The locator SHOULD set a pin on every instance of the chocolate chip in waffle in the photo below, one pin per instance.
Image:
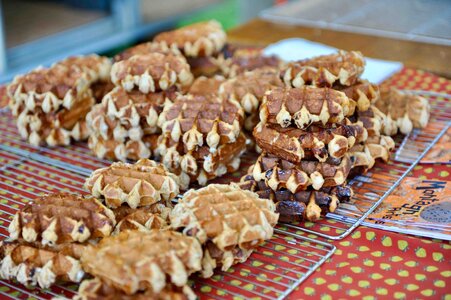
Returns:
(151, 72)
(362, 92)
(201, 120)
(146, 48)
(136, 261)
(200, 164)
(62, 218)
(36, 264)
(302, 205)
(406, 110)
(199, 39)
(144, 183)
(250, 87)
(305, 106)
(95, 289)
(295, 144)
(343, 67)
(227, 216)
(247, 59)
(155, 216)
(279, 173)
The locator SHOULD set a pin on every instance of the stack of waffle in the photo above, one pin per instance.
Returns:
(124, 125)
(51, 103)
(201, 137)
(315, 133)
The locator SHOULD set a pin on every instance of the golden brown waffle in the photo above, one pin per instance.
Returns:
(122, 151)
(324, 71)
(62, 218)
(278, 173)
(144, 183)
(225, 215)
(364, 155)
(201, 120)
(243, 60)
(151, 72)
(95, 289)
(407, 111)
(96, 67)
(136, 261)
(199, 39)
(294, 144)
(100, 89)
(35, 264)
(305, 106)
(200, 164)
(302, 205)
(204, 66)
(155, 216)
(362, 92)
(146, 48)
(250, 87)
(204, 86)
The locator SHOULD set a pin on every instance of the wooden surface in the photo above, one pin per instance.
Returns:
(429, 57)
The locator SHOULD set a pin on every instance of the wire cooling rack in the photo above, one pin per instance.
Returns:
(272, 272)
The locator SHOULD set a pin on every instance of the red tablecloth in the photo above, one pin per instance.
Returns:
(372, 263)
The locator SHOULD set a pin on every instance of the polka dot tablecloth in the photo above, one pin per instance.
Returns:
(376, 264)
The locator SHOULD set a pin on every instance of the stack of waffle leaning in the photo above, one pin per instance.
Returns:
(320, 129)
(129, 239)
(51, 103)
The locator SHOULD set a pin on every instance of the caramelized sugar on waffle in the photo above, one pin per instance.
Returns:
(136, 261)
(227, 216)
(250, 87)
(407, 111)
(362, 92)
(301, 205)
(36, 264)
(151, 72)
(294, 144)
(62, 218)
(305, 106)
(324, 71)
(199, 39)
(155, 216)
(279, 173)
(95, 289)
(144, 183)
(146, 48)
(201, 120)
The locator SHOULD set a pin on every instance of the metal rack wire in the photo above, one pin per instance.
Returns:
(272, 272)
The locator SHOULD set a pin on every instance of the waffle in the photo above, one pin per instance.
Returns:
(204, 66)
(279, 173)
(136, 261)
(133, 150)
(362, 92)
(305, 106)
(225, 215)
(302, 205)
(204, 86)
(35, 264)
(151, 72)
(201, 164)
(100, 89)
(146, 48)
(200, 120)
(155, 216)
(143, 183)
(365, 155)
(251, 121)
(294, 144)
(199, 39)
(407, 111)
(95, 289)
(250, 87)
(97, 68)
(342, 68)
(243, 60)
(62, 218)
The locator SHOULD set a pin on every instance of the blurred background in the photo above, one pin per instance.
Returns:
(39, 32)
